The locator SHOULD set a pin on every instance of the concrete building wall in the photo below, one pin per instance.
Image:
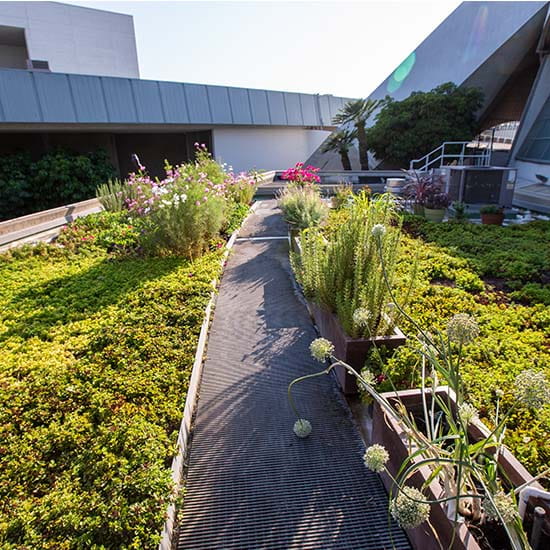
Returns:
(265, 148)
(74, 39)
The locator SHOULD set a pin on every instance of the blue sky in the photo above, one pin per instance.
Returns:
(343, 48)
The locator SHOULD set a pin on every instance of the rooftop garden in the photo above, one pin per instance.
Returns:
(98, 333)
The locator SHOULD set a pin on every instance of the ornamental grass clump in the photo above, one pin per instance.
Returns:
(343, 272)
(302, 207)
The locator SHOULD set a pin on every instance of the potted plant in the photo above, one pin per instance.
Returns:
(344, 286)
(436, 203)
(492, 215)
(418, 186)
(450, 479)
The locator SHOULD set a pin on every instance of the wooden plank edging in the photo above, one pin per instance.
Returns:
(192, 397)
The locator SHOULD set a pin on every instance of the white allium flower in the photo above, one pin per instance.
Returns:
(321, 349)
(532, 389)
(505, 505)
(378, 230)
(376, 457)
(462, 329)
(368, 376)
(407, 512)
(499, 393)
(361, 317)
(467, 413)
(302, 427)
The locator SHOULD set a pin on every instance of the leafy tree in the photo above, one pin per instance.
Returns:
(409, 129)
(357, 112)
(341, 141)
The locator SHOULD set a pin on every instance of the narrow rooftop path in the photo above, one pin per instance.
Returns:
(251, 483)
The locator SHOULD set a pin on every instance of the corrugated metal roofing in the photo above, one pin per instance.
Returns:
(42, 97)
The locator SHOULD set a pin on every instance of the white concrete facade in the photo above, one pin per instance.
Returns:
(71, 39)
(265, 148)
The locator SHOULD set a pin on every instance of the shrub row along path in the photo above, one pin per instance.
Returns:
(251, 483)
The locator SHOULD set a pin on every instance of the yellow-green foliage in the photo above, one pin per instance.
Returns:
(96, 354)
(513, 336)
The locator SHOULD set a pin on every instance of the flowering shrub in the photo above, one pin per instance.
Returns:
(241, 187)
(186, 209)
(302, 176)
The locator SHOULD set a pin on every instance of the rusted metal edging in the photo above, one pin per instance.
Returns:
(191, 399)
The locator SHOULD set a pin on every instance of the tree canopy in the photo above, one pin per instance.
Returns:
(409, 129)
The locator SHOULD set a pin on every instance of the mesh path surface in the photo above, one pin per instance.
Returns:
(251, 483)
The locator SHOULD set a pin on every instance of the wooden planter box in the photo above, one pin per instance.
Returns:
(351, 350)
(390, 434)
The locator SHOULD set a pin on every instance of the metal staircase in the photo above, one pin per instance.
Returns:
(442, 156)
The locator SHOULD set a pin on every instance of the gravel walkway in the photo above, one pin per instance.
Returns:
(251, 483)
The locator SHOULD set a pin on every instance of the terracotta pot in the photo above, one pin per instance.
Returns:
(388, 432)
(434, 214)
(492, 219)
(351, 350)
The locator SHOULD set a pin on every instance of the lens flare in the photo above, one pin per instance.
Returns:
(401, 73)
(477, 34)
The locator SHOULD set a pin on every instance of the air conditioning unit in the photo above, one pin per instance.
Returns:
(481, 184)
(38, 65)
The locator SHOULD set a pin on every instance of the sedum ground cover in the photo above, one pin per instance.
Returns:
(500, 275)
(96, 356)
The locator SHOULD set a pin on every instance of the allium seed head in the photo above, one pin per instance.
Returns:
(408, 512)
(321, 349)
(532, 389)
(462, 329)
(302, 428)
(376, 457)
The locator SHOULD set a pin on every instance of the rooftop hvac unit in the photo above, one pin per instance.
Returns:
(38, 65)
(482, 184)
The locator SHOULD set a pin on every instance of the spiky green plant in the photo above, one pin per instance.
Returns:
(113, 195)
(302, 207)
(344, 273)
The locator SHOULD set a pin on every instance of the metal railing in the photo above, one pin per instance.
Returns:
(440, 156)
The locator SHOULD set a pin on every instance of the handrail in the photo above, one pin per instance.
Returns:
(482, 158)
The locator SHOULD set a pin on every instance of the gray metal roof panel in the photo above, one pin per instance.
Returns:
(259, 106)
(277, 109)
(293, 109)
(309, 112)
(55, 97)
(220, 107)
(19, 98)
(324, 105)
(33, 96)
(197, 103)
(240, 106)
(120, 99)
(88, 98)
(147, 99)
(174, 102)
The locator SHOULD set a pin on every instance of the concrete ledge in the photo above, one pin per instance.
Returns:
(18, 229)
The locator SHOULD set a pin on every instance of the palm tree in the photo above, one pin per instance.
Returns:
(357, 112)
(341, 141)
